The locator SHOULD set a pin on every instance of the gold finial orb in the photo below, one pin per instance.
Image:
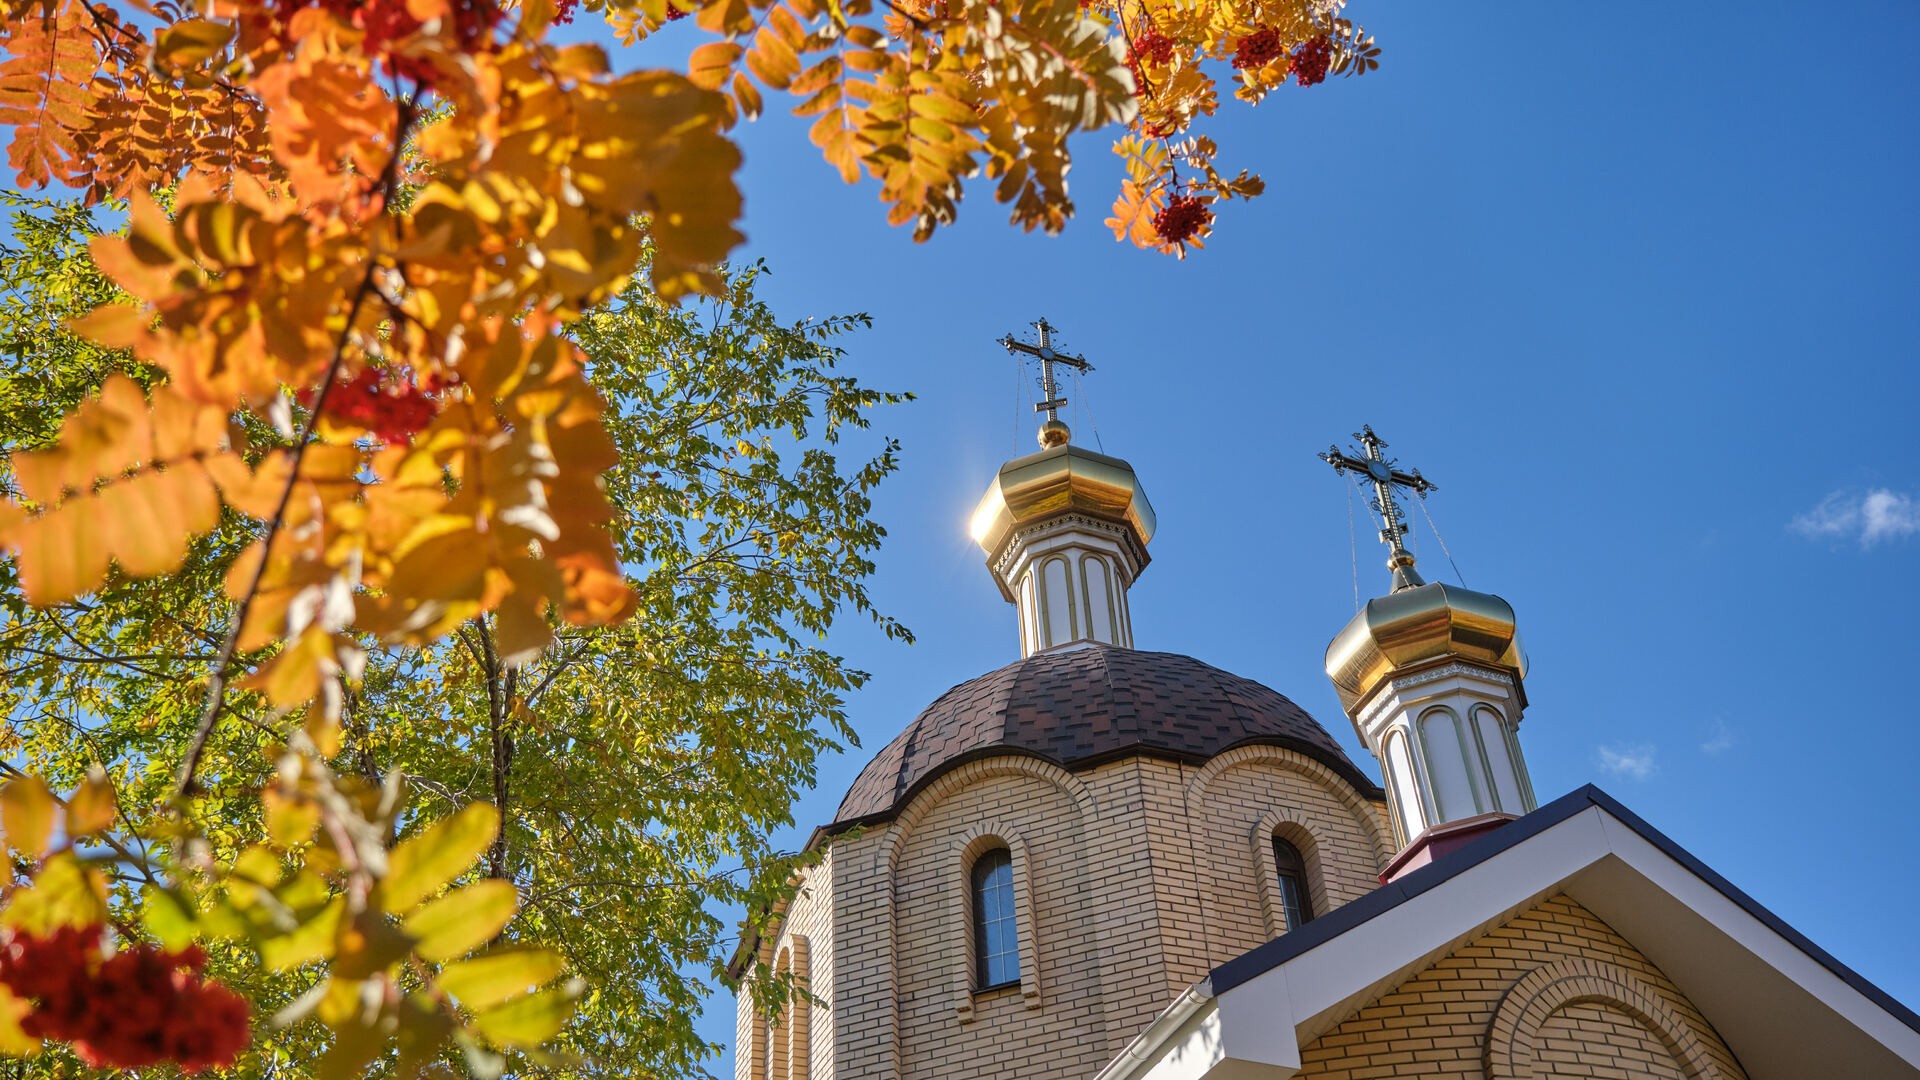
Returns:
(1054, 433)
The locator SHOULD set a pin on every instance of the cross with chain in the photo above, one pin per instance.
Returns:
(1385, 478)
(1049, 385)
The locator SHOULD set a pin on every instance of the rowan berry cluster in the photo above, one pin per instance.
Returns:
(1182, 218)
(392, 407)
(1258, 49)
(1311, 61)
(388, 23)
(1152, 46)
(141, 1006)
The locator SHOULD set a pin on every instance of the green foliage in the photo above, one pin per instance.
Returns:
(637, 770)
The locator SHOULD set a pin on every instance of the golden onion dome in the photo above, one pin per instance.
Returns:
(1420, 627)
(1060, 480)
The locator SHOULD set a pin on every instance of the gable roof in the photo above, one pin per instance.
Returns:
(1784, 1005)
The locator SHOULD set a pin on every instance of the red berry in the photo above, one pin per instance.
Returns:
(1153, 47)
(385, 22)
(390, 406)
(1257, 49)
(142, 1006)
(53, 972)
(1181, 219)
(1311, 61)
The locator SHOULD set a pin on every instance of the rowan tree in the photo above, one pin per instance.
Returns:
(330, 487)
(639, 769)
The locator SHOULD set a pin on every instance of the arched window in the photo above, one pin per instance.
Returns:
(996, 930)
(1296, 901)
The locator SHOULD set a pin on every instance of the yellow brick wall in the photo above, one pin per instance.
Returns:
(1439, 1022)
(806, 931)
(1223, 914)
(1143, 874)
(1594, 1039)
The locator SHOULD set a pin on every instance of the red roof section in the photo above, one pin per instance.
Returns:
(1080, 707)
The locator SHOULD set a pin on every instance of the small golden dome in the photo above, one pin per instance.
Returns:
(1420, 626)
(1059, 480)
(1054, 433)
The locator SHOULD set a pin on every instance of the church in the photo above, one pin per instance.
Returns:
(1103, 863)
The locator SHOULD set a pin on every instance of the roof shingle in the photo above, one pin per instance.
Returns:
(1080, 707)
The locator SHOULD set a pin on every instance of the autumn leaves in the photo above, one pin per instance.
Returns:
(360, 240)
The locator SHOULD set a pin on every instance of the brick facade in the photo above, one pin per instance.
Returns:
(1552, 993)
(1138, 875)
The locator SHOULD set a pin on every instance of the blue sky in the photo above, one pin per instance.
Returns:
(1636, 285)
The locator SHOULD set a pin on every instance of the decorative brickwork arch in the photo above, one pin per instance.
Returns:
(1293, 827)
(894, 842)
(1513, 1033)
(967, 847)
(790, 1044)
(973, 772)
(1362, 810)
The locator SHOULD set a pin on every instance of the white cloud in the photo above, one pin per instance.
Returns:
(1719, 738)
(1634, 761)
(1877, 516)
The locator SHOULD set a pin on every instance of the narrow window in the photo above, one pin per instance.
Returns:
(1295, 901)
(996, 933)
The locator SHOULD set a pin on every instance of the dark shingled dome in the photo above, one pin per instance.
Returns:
(1080, 707)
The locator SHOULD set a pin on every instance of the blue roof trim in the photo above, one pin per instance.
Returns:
(1348, 916)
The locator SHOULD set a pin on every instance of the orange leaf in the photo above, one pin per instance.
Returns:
(127, 481)
(712, 63)
(1133, 215)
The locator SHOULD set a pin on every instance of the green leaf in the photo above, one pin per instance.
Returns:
(462, 920)
(423, 864)
(312, 940)
(531, 1020)
(167, 916)
(486, 981)
(26, 813)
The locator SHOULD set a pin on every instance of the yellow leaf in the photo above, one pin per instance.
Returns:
(486, 981)
(293, 678)
(310, 941)
(444, 558)
(26, 812)
(426, 862)
(725, 16)
(291, 819)
(13, 1041)
(461, 921)
(190, 42)
(64, 893)
(168, 916)
(531, 1020)
(93, 806)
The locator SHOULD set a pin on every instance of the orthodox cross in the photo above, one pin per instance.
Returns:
(1380, 471)
(1049, 386)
